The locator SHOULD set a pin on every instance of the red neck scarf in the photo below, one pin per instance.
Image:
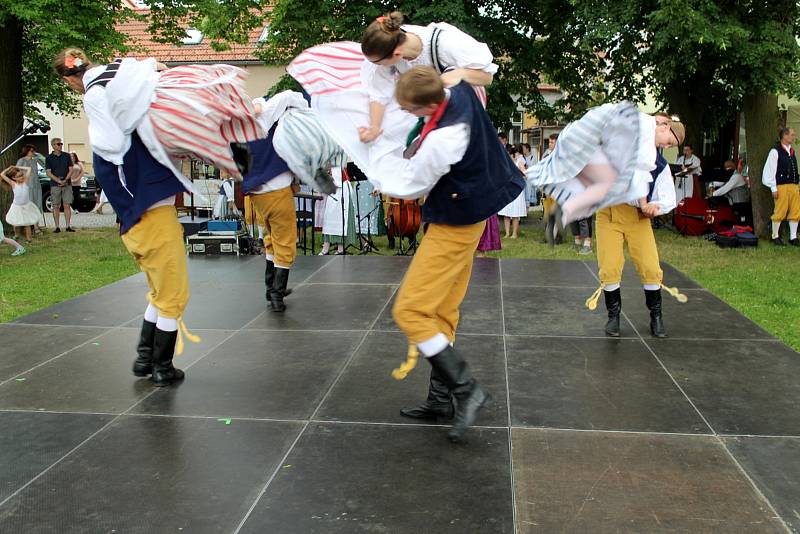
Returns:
(433, 122)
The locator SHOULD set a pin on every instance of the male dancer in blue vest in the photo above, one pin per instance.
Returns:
(269, 184)
(781, 176)
(142, 192)
(467, 176)
(632, 223)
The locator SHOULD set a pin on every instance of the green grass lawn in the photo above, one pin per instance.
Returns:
(761, 283)
(57, 267)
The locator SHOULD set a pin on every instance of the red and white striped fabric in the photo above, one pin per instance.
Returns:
(335, 67)
(200, 109)
(328, 68)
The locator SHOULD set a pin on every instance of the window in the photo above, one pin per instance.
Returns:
(193, 37)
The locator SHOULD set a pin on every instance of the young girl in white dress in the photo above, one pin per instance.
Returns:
(519, 206)
(23, 213)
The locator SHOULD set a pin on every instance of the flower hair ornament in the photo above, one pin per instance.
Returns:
(73, 62)
(381, 19)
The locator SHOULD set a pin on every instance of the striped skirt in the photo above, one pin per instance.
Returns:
(615, 130)
(199, 110)
(303, 143)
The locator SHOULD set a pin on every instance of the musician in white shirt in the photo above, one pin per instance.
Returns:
(684, 181)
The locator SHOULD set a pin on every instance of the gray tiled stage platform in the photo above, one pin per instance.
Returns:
(290, 424)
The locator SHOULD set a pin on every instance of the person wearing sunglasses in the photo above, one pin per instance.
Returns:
(59, 165)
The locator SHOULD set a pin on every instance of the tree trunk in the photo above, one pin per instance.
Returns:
(761, 125)
(11, 112)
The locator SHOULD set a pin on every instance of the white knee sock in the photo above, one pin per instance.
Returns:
(167, 324)
(792, 229)
(434, 345)
(776, 229)
(151, 313)
(260, 232)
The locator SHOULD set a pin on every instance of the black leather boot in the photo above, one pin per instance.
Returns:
(653, 299)
(438, 404)
(279, 290)
(242, 157)
(143, 365)
(269, 281)
(469, 396)
(614, 306)
(164, 373)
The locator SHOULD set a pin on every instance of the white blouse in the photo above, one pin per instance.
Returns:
(455, 49)
(115, 111)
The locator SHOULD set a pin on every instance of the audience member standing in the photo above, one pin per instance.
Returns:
(75, 176)
(582, 232)
(553, 231)
(781, 176)
(519, 206)
(531, 158)
(26, 160)
(58, 165)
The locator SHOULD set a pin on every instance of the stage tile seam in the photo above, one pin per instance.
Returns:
(118, 417)
(508, 403)
(322, 401)
(384, 423)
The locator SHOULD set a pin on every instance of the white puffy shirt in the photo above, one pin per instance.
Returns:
(114, 111)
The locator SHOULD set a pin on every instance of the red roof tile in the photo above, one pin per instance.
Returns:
(139, 37)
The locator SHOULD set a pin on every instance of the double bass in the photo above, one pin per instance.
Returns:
(403, 219)
(696, 215)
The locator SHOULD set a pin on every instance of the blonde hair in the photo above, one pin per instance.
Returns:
(383, 36)
(420, 86)
(679, 130)
(71, 61)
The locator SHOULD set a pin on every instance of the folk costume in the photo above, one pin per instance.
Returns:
(225, 197)
(781, 175)
(467, 177)
(192, 111)
(684, 185)
(626, 223)
(615, 134)
(142, 189)
(295, 145)
(326, 71)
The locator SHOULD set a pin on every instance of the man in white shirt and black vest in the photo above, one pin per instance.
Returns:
(466, 176)
(781, 176)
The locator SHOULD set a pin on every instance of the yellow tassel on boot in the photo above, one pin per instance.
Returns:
(411, 361)
(183, 331)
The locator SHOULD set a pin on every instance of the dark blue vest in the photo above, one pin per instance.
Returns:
(485, 180)
(661, 162)
(267, 164)
(787, 167)
(147, 181)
